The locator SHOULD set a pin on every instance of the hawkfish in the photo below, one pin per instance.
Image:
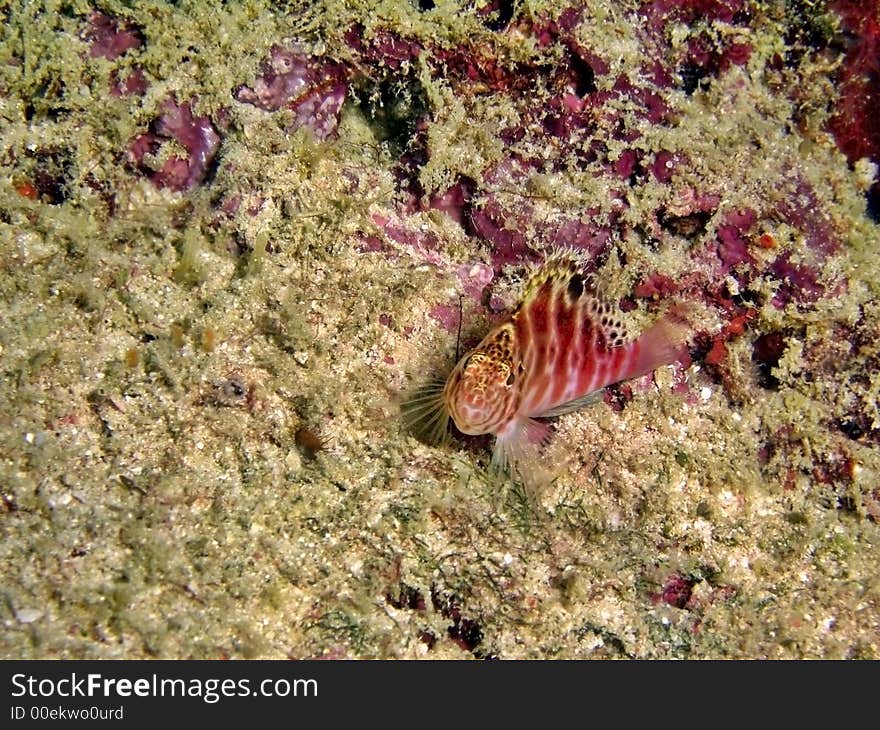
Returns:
(554, 354)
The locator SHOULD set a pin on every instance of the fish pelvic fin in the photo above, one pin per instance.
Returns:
(585, 401)
(517, 454)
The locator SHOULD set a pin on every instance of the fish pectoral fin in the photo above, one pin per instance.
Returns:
(575, 405)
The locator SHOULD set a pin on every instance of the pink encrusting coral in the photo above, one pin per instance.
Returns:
(705, 54)
(134, 84)
(733, 239)
(677, 591)
(382, 48)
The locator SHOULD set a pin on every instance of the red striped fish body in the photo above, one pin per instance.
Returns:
(573, 345)
(561, 346)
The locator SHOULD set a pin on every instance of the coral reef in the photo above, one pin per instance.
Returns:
(235, 234)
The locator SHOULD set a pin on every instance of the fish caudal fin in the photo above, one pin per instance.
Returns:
(664, 343)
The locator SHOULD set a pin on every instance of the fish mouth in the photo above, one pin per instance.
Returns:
(474, 413)
(469, 424)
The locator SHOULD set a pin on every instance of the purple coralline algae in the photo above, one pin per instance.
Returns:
(197, 136)
(856, 123)
(313, 88)
(109, 37)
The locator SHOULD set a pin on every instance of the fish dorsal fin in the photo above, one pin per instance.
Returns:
(604, 318)
(556, 272)
(562, 275)
(575, 405)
